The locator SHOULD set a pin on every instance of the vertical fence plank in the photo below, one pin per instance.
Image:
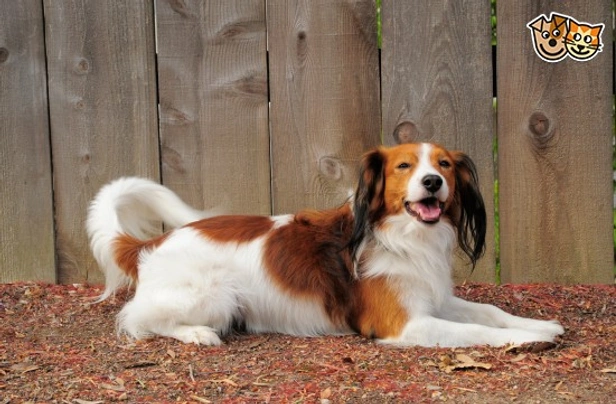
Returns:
(214, 103)
(437, 75)
(103, 111)
(554, 133)
(26, 214)
(324, 98)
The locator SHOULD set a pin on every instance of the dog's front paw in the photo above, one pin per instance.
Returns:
(521, 337)
(548, 327)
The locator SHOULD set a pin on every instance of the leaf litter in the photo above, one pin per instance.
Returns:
(58, 346)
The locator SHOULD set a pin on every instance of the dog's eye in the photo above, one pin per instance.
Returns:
(402, 166)
(556, 33)
(545, 34)
(444, 163)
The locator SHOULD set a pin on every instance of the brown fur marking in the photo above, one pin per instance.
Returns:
(229, 228)
(308, 258)
(379, 313)
(127, 250)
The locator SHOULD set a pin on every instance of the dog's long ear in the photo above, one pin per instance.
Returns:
(470, 220)
(368, 204)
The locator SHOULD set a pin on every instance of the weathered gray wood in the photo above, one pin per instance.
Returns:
(437, 75)
(214, 103)
(26, 215)
(102, 91)
(555, 132)
(324, 85)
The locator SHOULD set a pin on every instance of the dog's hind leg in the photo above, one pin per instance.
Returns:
(195, 305)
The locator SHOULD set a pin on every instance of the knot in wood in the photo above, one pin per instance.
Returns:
(301, 48)
(82, 66)
(331, 168)
(540, 128)
(4, 55)
(406, 132)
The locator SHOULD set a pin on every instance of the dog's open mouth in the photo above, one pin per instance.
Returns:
(427, 210)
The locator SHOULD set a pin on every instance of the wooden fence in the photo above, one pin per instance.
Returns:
(264, 106)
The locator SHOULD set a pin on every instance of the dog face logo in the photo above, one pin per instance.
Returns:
(583, 41)
(549, 37)
(560, 36)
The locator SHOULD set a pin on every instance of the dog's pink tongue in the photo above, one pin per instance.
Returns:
(428, 213)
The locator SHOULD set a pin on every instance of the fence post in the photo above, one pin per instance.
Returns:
(212, 78)
(102, 97)
(554, 134)
(437, 74)
(324, 99)
(26, 213)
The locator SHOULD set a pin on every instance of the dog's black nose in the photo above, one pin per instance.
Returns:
(432, 182)
(552, 42)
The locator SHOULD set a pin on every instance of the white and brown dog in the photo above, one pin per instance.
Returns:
(379, 265)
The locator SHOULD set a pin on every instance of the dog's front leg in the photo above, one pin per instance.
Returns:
(462, 311)
(429, 331)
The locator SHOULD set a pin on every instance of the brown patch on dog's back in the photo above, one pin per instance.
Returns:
(127, 250)
(309, 258)
(378, 310)
(233, 228)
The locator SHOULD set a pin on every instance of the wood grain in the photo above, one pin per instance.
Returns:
(554, 133)
(26, 215)
(102, 92)
(324, 86)
(437, 75)
(214, 103)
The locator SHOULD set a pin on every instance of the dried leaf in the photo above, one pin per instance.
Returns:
(608, 370)
(226, 381)
(327, 393)
(140, 364)
(519, 358)
(468, 365)
(200, 399)
(113, 387)
(461, 362)
(24, 367)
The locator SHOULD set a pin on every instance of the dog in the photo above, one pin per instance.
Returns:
(379, 265)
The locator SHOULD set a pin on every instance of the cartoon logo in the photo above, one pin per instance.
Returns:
(583, 41)
(559, 36)
(548, 37)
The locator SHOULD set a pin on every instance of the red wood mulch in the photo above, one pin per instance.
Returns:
(57, 346)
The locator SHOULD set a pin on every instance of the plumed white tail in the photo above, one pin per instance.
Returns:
(133, 206)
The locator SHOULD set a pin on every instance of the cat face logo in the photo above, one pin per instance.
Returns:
(583, 41)
(560, 36)
(548, 37)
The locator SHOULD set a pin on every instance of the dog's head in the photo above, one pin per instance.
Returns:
(424, 183)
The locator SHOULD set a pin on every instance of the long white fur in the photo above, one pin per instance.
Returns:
(135, 206)
(192, 288)
(190, 281)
